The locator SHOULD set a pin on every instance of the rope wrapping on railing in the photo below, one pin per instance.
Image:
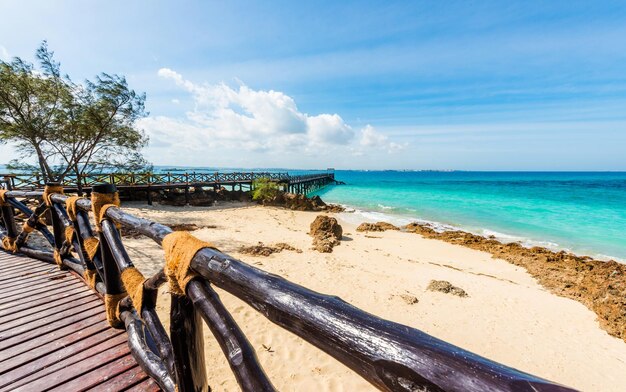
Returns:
(49, 190)
(91, 245)
(3, 201)
(180, 248)
(90, 277)
(71, 207)
(100, 203)
(8, 243)
(111, 306)
(133, 282)
(27, 228)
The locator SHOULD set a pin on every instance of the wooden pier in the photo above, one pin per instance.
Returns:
(149, 182)
(48, 319)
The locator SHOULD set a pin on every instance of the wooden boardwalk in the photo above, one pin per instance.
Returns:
(151, 182)
(54, 335)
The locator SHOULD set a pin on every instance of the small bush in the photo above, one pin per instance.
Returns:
(264, 189)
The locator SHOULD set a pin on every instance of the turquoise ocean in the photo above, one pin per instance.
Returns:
(584, 212)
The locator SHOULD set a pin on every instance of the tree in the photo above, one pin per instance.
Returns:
(30, 106)
(99, 132)
(264, 189)
(72, 129)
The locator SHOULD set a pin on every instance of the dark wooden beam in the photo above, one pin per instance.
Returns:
(188, 345)
(235, 346)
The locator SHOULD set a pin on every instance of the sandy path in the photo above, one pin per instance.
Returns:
(507, 316)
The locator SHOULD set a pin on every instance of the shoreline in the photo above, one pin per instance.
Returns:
(373, 216)
(602, 289)
(599, 285)
(507, 315)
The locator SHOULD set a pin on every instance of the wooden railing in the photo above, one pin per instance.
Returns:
(391, 356)
(36, 181)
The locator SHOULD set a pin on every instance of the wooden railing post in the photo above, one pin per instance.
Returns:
(9, 220)
(235, 346)
(112, 281)
(58, 229)
(188, 345)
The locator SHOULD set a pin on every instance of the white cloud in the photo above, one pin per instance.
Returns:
(371, 138)
(329, 128)
(254, 120)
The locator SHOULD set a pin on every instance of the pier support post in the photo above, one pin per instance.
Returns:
(149, 195)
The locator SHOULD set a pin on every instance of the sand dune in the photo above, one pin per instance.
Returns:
(507, 316)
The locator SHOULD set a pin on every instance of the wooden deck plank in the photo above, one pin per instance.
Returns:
(60, 378)
(16, 359)
(13, 259)
(30, 276)
(145, 386)
(18, 259)
(53, 326)
(22, 345)
(10, 268)
(40, 288)
(72, 312)
(46, 303)
(20, 270)
(56, 361)
(54, 334)
(122, 381)
(41, 317)
(99, 375)
(28, 283)
(32, 300)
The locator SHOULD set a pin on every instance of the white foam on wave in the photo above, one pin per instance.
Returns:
(526, 242)
(357, 216)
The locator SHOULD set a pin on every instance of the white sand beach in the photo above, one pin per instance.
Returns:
(507, 316)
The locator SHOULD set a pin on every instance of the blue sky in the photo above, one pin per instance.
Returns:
(398, 85)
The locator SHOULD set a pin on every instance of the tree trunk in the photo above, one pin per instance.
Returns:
(79, 182)
(43, 165)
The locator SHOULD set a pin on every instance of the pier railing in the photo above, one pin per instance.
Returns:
(36, 181)
(148, 182)
(391, 356)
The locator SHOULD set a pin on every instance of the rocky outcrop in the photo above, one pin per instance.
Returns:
(599, 285)
(446, 287)
(334, 208)
(378, 226)
(261, 249)
(300, 202)
(295, 202)
(326, 233)
(199, 196)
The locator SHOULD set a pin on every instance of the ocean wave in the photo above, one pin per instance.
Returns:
(357, 216)
(524, 241)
